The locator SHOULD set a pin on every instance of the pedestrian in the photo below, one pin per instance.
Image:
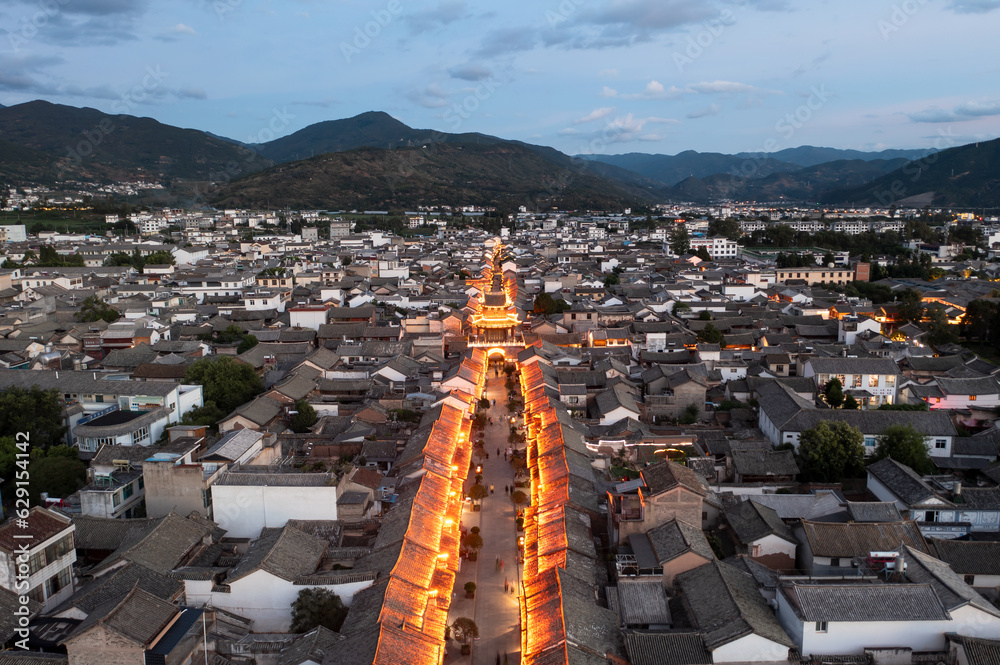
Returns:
(491, 488)
(501, 565)
(506, 585)
(497, 565)
(506, 489)
(498, 452)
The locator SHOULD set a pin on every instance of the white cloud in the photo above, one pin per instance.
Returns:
(596, 114)
(182, 29)
(961, 113)
(607, 92)
(710, 110)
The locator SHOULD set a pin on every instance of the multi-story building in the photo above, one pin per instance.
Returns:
(718, 247)
(44, 542)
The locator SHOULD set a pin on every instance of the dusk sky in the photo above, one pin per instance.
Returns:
(608, 76)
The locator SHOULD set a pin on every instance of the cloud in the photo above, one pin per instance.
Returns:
(191, 93)
(655, 90)
(91, 22)
(432, 96)
(608, 72)
(725, 87)
(973, 6)
(181, 29)
(446, 11)
(961, 113)
(596, 114)
(710, 110)
(607, 92)
(507, 40)
(622, 129)
(645, 15)
(470, 73)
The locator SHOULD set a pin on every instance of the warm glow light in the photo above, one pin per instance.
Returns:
(454, 467)
(443, 556)
(449, 522)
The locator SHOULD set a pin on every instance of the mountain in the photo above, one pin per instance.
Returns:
(22, 165)
(123, 144)
(672, 169)
(967, 176)
(804, 185)
(807, 155)
(502, 174)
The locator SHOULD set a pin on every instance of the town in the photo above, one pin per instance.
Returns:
(682, 435)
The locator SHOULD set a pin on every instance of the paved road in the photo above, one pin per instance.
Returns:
(494, 610)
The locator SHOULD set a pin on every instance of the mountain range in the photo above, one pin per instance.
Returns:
(374, 160)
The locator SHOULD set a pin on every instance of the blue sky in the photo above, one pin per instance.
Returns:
(607, 76)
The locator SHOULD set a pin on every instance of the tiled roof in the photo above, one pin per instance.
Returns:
(873, 511)
(923, 568)
(901, 480)
(139, 616)
(639, 601)
(646, 648)
(865, 602)
(726, 605)
(765, 462)
(666, 475)
(968, 557)
(674, 537)
(42, 525)
(287, 553)
(752, 521)
(163, 547)
(859, 539)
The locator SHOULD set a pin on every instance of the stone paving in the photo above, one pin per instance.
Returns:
(494, 610)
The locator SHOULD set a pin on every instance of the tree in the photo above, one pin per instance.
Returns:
(57, 475)
(910, 306)
(36, 412)
(473, 541)
(905, 444)
(704, 315)
(317, 607)
(851, 404)
(226, 381)
(95, 309)
(478, 493)
(834, 392)
(249, 341)
(464, 630)
(690, 415)
(680, 241)
(207, 415)
(710, 335)
(304, 418)
(831, 451)
(703, 254)
(544, 304)
(828, 259)
(159, 259)
(612, 280)
(518, 497)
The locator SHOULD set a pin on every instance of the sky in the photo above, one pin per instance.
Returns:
(583, 76)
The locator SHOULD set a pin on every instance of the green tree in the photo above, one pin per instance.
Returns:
(710, 335)
(544, 304)
(226, 381)
(57, 475)
(690, 415)
(478, 493)
(834, 392)
(304, 418)
(612, 280)
(703, 254)
(464, 630)
(850, 403)
(159, 259)
(910, 305)
(36, 412)
(831, 451)
(905, 444)
(704, 315)
(680, 241)
(828, 259)
(317, 607)
(249, 341)
(206, 415)
(94, 309)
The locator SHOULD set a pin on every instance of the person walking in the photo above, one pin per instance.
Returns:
(491, 488)
(498, 451)
(506, 585)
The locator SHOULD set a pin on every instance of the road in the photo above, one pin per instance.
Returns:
(494, 610)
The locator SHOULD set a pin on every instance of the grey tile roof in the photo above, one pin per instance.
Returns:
(981, 498)
(765, 462)
(234, 444)
(312, 646)
(986, 385)
(930, 423)
(902, 481)
(726, 605)
(873, 511)
(666, 648)
(977, 650)
(104, 533)
(854, 366)
(287, 553)
(859, 539)
(139, 616)
(256, 476)
(864, 602)
(163, 547)
(923, 568)
(117, 585)
(752, 521)
(673, 538)
(639, 601)
(968, 557)
(667, 475)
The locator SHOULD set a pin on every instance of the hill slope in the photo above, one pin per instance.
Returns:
(501, 174)
(124, 144)
(967, 175)
(808, 155)
(672, 169)
(804, 185)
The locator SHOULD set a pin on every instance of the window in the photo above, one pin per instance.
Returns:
(835, 562)
(972, 398)
(206, 498)
(140, 435)
(869, 442)
(890, 380)
(969, 579)
(940, 444)
(116, 499)
(128, 490)
(36, 562)
(842, 379)
(873, 381)
(930, 516)
(37, 594)
(857, 380)
(820, 626)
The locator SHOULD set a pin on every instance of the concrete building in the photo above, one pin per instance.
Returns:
(46, 546)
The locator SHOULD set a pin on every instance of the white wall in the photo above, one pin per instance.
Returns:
(751, 649)
(244, 510)
(772, 544)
